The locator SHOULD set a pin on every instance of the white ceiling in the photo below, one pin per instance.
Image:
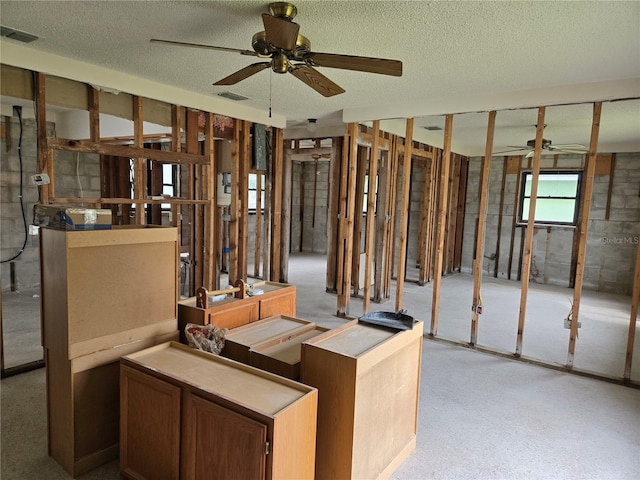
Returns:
(458, 56)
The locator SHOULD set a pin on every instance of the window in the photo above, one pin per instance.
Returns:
(253, 187)
(557, 199)
(366, 194)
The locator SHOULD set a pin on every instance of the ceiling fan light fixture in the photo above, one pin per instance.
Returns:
(311, 125)
(280, 63)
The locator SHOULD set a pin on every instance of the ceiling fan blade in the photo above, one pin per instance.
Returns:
(207, 47)
(518, 149)
(241, 74)
(280, 33)
(571, 146)
(316, 80)
(566, 150)
(360, 64)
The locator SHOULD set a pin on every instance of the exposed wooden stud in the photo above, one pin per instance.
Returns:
(381, 225)
(285, 240)
(518, 172)
(496, 265)
(371, 216)
(236, 204)
(332, 215)
(342, 207)
(424, 219)
(210, 194)
(433, 193)
(528, 244)
(442, 216)
(583, 229)
(404, 212)
(357, 218)
(139, 162)
(94, 113)
(633, 319)
(276, 203)
(45, 154)
(243, 207)
(257, 259)
(462, 197)
(612, 168)
(453, 211)
(195, 220)
(347, 202)
(176, 125)
(482, 223)
(391, 217)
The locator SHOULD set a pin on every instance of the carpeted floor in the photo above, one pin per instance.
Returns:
(481, 416)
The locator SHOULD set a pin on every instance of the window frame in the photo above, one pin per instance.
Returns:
(576, 207)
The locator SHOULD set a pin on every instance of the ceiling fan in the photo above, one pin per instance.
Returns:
(290, 52)
(546, 145)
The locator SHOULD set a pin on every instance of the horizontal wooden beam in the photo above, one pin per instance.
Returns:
(415, 152)
(128, 201)
(101, 148)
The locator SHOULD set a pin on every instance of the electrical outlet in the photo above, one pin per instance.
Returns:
(567, 323)
(40, 179)
(33, 229)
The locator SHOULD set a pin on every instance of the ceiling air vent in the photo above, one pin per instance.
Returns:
(17, 35)
(232, 96)
(433, 128)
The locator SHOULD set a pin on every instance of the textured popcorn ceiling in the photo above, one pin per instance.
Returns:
(458, 56)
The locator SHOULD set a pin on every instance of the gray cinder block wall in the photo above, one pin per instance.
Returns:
(611, 243)
(12, 231)
(312, 232)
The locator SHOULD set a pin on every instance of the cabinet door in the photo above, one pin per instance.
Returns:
(240, 313)
(149, 427)
(283, 304)
(219, 443)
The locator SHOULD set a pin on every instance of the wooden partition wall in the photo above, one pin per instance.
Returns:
(376, 242)
(193, 150)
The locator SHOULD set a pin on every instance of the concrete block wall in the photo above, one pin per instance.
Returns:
(414, 217)
(611, 243)
(313, 235)
(12, 230)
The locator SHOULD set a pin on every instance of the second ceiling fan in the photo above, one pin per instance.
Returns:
(290, 52)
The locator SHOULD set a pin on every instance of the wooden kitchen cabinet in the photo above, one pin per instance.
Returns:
(207, 416)
(232, 312)
(368, 380)
(282, 355)
(239, 341)
(105, 293)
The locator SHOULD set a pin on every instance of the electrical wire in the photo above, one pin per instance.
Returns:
(78, 174)
(24, 218)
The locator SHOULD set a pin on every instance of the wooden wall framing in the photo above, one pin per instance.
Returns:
(199, 208)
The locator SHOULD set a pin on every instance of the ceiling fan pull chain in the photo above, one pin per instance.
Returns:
(270, 80)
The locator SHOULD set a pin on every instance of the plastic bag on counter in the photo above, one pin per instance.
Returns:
(205, 337)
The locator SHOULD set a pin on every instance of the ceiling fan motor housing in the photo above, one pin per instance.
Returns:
(545, 143)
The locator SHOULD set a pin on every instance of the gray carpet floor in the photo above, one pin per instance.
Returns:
(481, 416)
